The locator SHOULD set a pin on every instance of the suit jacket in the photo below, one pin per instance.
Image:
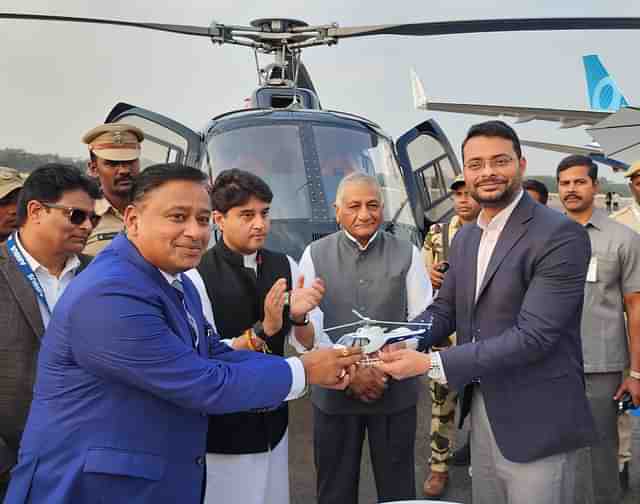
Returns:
(121, 398)
(21, 330)
(521, 336)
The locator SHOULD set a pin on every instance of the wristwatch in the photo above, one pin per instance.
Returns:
(258, 330)
(304, 322)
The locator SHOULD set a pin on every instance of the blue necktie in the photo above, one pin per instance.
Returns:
(177, 285)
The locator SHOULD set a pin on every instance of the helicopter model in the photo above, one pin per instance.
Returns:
(303, 150)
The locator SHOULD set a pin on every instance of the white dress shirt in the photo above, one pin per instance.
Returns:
(419, 290)
(52, 286)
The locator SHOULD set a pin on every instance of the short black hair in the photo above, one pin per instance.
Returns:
(494, 129)
(159, 174)
(578, 160)
(539, 187)
(235, 187)
(48, 183)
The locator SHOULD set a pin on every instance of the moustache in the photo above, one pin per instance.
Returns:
(491, 180)
(572, 196)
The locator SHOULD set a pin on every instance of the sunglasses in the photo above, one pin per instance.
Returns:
(76, 216)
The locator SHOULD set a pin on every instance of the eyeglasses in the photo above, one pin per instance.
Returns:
(501, 161)
(76, 216)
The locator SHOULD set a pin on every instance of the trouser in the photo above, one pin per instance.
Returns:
(602, 460)
(443, 412)
(338, 440)
(496, 480)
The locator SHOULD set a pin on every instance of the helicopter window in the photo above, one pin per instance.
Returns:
(160, 145)
(342, 151)
(434, 173)
(274, 153)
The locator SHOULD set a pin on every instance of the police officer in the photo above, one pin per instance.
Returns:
(629, 216)
(114, 151)
(443, 400)
(10, 184)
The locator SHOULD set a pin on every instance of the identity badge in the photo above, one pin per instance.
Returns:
(592, 272)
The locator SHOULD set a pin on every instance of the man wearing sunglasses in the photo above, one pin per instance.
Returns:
(114, 152)
(54, 218)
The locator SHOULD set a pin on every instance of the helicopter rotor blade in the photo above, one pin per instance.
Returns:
(488, 25)
(199, 31)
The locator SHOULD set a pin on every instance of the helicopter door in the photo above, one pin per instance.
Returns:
(429, 166)
(165, 140)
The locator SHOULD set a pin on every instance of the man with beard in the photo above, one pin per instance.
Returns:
(114, 151)
(10, 184)
(514, 296)
(443, 401)
(611, 291)
(37, 263)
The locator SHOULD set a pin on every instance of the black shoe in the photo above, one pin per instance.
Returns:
(462, 456)
(624, 477)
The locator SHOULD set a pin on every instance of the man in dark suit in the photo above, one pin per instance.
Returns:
(129, 369)
(514, 296)
(54, 217)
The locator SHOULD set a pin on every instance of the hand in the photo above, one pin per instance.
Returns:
(394, 347)
(404, 363)
(436, 277)
(331, 367)
(273, 307)
(632, 386)
(302, 300)
(368, 384)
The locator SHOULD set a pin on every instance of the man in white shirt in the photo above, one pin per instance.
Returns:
(55, 215)
(384, 278)
(514, 296)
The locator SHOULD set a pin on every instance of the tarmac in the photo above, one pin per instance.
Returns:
(302, 473)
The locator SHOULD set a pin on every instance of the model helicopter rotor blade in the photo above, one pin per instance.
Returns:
(488, 26)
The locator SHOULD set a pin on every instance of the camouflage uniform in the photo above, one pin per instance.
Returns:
(443, 400)
(629, 216)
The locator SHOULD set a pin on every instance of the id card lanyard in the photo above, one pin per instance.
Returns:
(26, 271)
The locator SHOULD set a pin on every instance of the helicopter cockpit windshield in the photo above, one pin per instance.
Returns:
(303, 163)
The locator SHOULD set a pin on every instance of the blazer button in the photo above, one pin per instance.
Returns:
(200, 460)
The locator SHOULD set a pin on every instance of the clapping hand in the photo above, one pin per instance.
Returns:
(304, 299)
(273, 306)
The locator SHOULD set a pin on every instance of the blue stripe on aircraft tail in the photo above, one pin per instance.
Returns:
(603, 92)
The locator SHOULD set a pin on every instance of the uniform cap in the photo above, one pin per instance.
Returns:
(115, 142)
(633, 169)
(10, 180)
(457, 181)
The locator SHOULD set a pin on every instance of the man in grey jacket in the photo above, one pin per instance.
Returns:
(384, 278)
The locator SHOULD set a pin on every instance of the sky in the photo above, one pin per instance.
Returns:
(59, 79)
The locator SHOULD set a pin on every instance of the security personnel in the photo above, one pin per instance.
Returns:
(443, 401)
(629, 216)
(10, 184)
(114, 151)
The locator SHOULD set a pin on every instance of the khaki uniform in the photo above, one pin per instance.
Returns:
(629, 216)
(111, 223)
(443, 400)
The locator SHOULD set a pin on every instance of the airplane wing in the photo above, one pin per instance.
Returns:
(619, 134)
(594, 152)
(566, 118)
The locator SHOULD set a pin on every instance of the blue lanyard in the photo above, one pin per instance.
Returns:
(26, 270)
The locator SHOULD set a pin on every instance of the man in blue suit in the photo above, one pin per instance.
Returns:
(129, 369)
(514, 295)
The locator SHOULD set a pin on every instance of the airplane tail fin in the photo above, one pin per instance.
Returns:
(419, 96)
(604, 93)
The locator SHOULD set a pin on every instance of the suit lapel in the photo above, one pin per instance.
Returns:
(513, 231)
(472, 273)
(22, 291)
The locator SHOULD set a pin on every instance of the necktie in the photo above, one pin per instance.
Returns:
(177, 285)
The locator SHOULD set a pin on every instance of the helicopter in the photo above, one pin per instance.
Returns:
(301, 149)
